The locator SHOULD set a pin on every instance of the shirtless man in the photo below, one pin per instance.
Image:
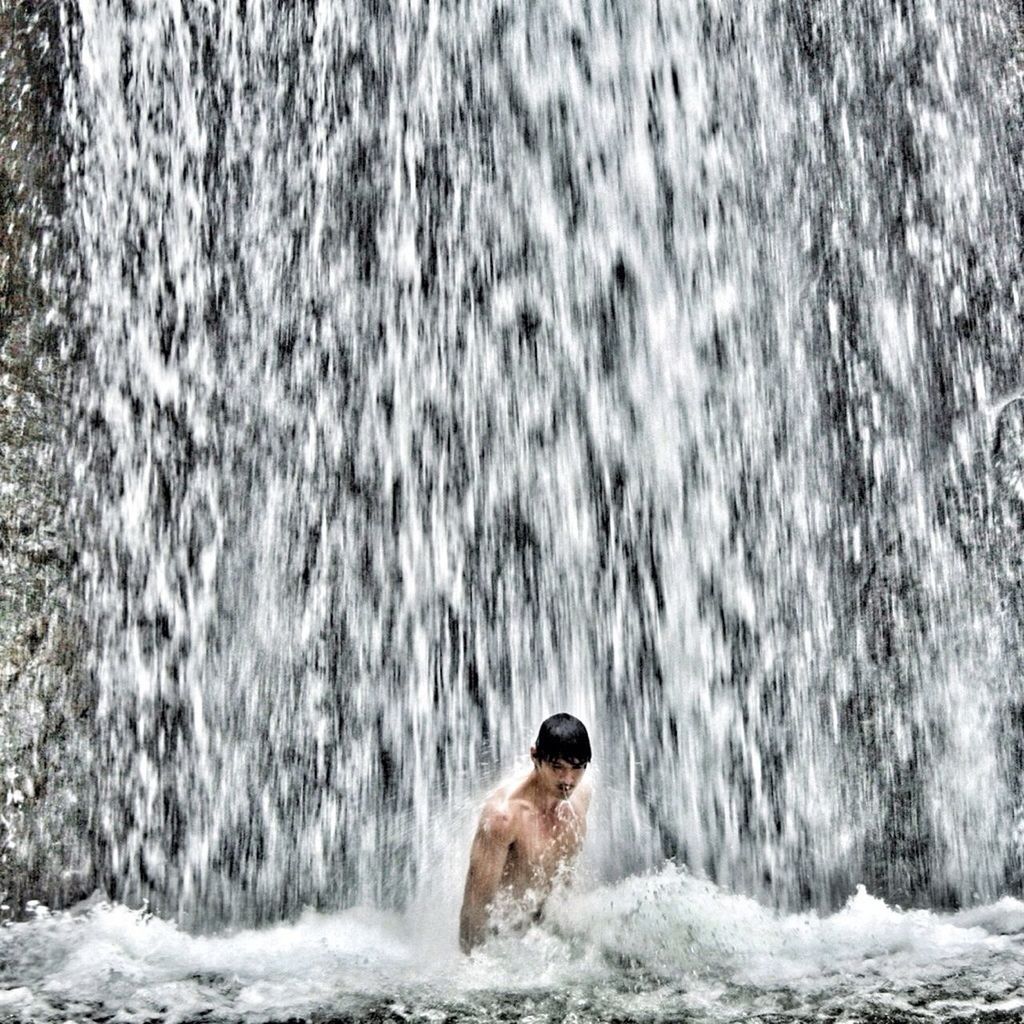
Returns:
(529, 828)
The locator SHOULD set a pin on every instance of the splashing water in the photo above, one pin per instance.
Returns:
(645, 948)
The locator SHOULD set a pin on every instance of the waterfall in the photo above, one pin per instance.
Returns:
(438, 367)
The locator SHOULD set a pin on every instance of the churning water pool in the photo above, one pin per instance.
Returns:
(662, 947)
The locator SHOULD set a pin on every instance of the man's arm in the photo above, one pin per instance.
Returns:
(487, 857)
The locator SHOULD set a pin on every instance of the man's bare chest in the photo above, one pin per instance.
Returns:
(542, 846)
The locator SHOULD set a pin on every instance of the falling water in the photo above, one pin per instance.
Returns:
(442, 366)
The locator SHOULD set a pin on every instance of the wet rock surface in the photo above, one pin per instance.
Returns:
(36, 651)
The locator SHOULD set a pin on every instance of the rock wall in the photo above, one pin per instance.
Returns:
(38, 685)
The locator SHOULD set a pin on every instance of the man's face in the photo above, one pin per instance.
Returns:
(560, 776)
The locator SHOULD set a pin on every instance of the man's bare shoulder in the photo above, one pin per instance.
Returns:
(501, 815)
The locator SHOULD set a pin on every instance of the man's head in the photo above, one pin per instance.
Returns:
(561, 753)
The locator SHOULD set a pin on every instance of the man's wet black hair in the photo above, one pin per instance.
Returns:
(563, 738)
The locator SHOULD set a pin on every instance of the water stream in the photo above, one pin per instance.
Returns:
(439, 366)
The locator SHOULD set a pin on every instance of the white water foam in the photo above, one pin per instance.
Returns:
(634, 948)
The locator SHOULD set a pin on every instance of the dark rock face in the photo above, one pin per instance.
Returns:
(36, 652)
